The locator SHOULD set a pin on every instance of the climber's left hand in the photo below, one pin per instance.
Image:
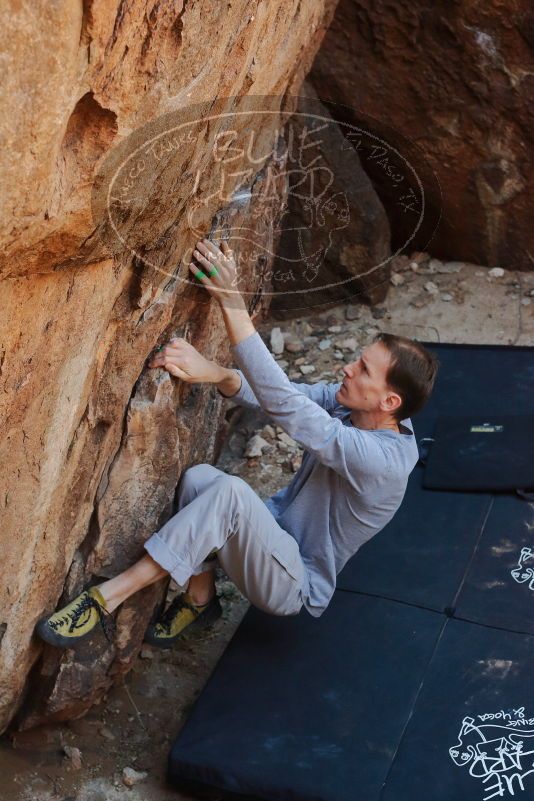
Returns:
(222, 285)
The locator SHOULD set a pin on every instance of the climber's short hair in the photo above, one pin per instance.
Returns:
(411, 373)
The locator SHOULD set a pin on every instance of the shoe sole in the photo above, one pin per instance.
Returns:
(58, 640)
(205, 619)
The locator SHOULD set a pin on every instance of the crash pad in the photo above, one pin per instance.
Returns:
(415, 682)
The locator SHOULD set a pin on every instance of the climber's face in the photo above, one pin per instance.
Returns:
(364, 386)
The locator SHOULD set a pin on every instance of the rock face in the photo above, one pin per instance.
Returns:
(94, 443)
(458, 80)
(335, 235)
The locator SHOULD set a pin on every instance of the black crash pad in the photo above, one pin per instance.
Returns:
(499, 586)
(304, 708)
(422, 555)
(482, 453)
(471, 736)
(478, 380)
(416, 681)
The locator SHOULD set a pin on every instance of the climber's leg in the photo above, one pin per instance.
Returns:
(135, 578)
(227, 517)
(220, 514)
(146, 571)
(201, 586)
(73, 622)
(194, 480)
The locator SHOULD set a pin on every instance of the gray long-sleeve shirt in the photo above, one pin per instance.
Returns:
(351, 480)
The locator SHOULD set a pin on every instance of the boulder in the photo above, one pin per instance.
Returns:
(124, 144)
(450, 87)
(334, 233)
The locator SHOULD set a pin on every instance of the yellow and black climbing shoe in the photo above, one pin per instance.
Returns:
(68, 626)
(182, 614)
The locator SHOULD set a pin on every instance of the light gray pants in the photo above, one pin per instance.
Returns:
(221, 513)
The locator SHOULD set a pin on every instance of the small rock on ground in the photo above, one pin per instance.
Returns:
(130, 777)
(255, 446)
(74, 755)
(277, 341)
(353, 312)
(294, 345)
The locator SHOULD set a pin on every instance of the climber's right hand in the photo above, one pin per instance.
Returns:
(182, 360)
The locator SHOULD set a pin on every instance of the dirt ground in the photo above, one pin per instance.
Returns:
(135, 725)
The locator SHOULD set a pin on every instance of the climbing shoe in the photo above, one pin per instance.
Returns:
(71, 624)
(182, 614)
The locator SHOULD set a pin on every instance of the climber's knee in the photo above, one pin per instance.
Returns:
(195, 479)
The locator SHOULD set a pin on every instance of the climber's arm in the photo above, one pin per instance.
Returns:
(234, 385)
(229, 384)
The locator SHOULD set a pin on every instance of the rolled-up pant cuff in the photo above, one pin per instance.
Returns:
(160, 552)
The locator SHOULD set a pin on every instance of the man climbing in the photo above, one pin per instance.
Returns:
(286, 552)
